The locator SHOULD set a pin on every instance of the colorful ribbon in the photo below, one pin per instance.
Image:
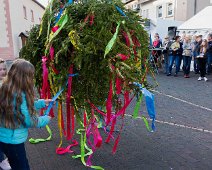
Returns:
(35, 141)
(112, 41)
(149, 97)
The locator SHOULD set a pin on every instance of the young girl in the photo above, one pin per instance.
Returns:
(18, 112)
(4, 164)
(202, 58)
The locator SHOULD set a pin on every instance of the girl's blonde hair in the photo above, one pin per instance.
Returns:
(203, 48)
(18, 81)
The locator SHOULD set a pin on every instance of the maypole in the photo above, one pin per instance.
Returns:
(90, 56)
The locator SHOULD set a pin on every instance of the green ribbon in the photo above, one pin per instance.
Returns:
(35, 141)
(84, 146)
(146, 123)
(61, 23)
(137, 107)
(136, 111)
(112, 41)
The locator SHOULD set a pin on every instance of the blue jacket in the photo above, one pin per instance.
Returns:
(19, 135)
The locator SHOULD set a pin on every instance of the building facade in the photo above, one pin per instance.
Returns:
(16, 18)
(162, 14)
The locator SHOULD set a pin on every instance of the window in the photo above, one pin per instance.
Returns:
(25, 13)
(147, 13)
(32, 16)
(169, 9)
(159, 11)
(144, 14)
(141, 12)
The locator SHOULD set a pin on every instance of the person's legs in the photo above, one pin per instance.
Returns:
(209, 61)
(185, 64)
(177, 62)
(189, 65)
(171, 62)
(1, 155)
(4, 164)
(196, 67)
(16, 155)
(200, 63)
(166, 63)
(203, 67)
(180, 62)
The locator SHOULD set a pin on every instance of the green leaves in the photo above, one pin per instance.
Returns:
(95, 39)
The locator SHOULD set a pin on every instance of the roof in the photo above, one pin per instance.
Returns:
(38, 4)
(200, 21)
(25, 34)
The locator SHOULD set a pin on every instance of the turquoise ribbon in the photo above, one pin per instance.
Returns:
(58, 94)
(149, 103)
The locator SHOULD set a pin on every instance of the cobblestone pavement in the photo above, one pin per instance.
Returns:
(182, 140)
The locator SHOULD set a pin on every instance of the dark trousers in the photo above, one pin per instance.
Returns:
(196, 67)
(202, 66)
(1, 156)
(16, 155)
(180, 61)
(166, 63)
(186, 64)
(209, 62)
(172, 59)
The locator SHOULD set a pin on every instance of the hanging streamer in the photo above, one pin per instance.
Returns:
(112, 41)
(35, 141)
(137, 107)
(149, 97)
(120, 11)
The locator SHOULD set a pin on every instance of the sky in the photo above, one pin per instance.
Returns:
(43, 2)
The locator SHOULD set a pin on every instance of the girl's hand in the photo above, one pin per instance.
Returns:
(50, 117)
(47, 101)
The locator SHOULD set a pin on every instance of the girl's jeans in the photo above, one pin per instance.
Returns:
(16, 155)
(1, 156)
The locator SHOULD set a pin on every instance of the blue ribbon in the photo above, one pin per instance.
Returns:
(61, 10)
(120, 11)
(59, 15)
(149, 103)
(150, 40)
(58, 94)
(70, 2)
(72, 75)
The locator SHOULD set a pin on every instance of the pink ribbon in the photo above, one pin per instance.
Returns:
(55, 28)
(122, 57)
(118, 85)
(68, 110)
(45, 78)
(97, 139)
(109, 103)
(91, 19)
(62, 150)
(126, 38)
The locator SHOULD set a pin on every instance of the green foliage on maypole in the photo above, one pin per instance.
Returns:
(82, 41)
(98, 52)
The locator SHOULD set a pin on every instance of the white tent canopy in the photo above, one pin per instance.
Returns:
(199, 22)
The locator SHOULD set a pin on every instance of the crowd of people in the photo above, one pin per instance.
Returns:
(184, 49)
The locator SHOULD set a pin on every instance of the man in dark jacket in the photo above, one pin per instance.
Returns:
(209, 53)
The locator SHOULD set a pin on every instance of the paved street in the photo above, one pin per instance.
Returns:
(182, 140)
